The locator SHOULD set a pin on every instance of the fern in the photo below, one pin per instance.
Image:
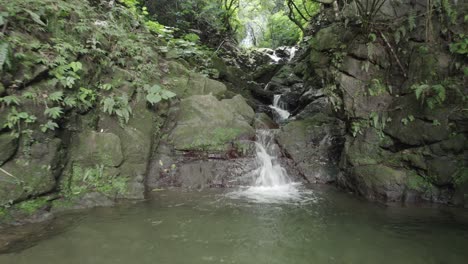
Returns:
(56, 96)
(50, 125)
(35, 17)
(10, 100)
(53, 112)
(431, 95)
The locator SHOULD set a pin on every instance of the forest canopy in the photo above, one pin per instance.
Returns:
(252, 23)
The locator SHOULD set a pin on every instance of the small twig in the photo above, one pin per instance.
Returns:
(394, 54)
(9, 174)
(219, 47)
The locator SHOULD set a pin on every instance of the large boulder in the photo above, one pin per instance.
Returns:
(8, 145)
(205, 123)
(314, 144)
(205, 143)
(33, 172)
(186, 83)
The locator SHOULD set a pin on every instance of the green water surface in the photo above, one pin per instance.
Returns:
(207, 227)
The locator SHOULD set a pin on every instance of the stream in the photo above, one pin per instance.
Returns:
(326, 226)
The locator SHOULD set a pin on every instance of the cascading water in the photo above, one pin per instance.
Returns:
(271, 183)
(269, 173)
(278, 106)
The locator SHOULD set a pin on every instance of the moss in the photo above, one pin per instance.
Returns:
(215, 140)
(32, 206)
(96, 179)
(461, 176)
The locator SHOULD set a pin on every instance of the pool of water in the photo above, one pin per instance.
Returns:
(218, 226)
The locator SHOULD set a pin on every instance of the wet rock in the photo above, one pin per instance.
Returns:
(33, 172)
(263, 121)
(204, 123)
(379, 182)
(98, 148)
(8, 145)
(314, 144)
(185, 83)
(85, 201)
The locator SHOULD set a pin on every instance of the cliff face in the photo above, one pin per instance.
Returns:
(397, 78)
(85, 115)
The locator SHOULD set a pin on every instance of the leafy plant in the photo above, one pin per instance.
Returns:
(15, 118)
(53, 112)
(431, 95)
(376, 88)
(50, 125)
(154, 94)
(10, 100)
(119, 106)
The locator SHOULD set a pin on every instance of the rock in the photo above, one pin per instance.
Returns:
(240, 106)
(206, 143)
(98, 148)
(8, 146)
(326, 39)
(379, 182)
(204, 123)
(263, 121)
(356, 103)
(185, 83)
(31, 173)
(314, 145)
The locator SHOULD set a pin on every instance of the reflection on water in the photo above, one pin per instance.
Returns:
(210, 227)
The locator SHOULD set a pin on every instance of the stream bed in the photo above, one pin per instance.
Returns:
(323, 225)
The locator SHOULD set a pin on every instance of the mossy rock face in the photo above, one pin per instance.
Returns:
(314, 145)
(327, 38)
(8, 146)
(98, 148)
(31, 174)
(263, 121)
(380, 182)
(204, 123)
(185, 83)
(240, 106)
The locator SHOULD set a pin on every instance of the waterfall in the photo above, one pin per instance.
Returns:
(269, 173)
(270, 183)
(279, 106)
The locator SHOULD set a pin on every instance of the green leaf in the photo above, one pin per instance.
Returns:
(35, 17)
(153, 98)
(50, 125)
(56, 96)
(10, 100)
(108, 105)
(53, 112)
(76, 66)
(166, 94)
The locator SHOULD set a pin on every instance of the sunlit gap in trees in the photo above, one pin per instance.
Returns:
(273, 23)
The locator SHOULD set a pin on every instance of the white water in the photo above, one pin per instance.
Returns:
(272, 183)
(278, 106)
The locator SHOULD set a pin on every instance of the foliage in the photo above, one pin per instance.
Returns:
(76, 53)
(376, 88)
(460, 46)
(119, 106)
(96, 179)
(32, 206)
(431, 95)
(155, 94)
